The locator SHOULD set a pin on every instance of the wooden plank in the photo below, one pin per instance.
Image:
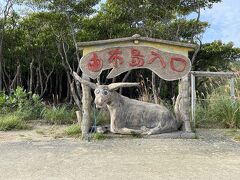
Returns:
(193, 99)
(135, 37)
(86, 107)
(210, 74)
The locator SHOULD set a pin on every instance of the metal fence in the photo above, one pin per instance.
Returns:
(229, 75)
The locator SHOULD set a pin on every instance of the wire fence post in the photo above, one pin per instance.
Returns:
(232, 89)
(193, 99)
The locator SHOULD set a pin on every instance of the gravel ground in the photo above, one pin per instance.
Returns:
(212, 156)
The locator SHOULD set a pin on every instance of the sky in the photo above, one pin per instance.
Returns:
(224, 20)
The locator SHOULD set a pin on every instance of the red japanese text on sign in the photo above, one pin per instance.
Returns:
(137, 58)
(157, 56)
(95, 64)
(115, 56)
(169, 66)
(182, 62)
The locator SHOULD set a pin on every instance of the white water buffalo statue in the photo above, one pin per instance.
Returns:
(129, 115)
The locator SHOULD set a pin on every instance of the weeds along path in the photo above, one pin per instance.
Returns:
(212, 156)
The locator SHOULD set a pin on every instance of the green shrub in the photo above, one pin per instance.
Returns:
(59, 115)
(26, 105)
(31, 108)
(98, 136)
(7, 103)
(12, 122)
(226, 111)
(219, 111)
(73, 130)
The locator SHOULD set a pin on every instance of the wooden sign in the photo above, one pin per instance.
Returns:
(168, 66)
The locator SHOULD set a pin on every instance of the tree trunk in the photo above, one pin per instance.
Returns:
(56, 90)
(79, 117)
(124, 79)
(50, 86)
(68, 93)
(6, 79)
(182, 105)
(1, 60)
(86, 104)
(37, 83)
(40, 79)
(31, 77)
(46, 82)
(1, 71)
(60, 87)
(14, 81)
(5, 11)
(154, 89)
(78, 93)
(75, 96)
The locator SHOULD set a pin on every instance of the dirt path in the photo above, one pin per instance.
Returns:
(212, 156)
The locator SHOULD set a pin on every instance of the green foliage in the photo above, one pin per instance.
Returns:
(59, 115)
(26, 106)
(46, 38)
(12, 122)
(73, 130)
(216, 56)
(237, 137)
(31, 108)
(234, 134)
(219, 111)
(98, 136)
(148, 18)
(23, 104)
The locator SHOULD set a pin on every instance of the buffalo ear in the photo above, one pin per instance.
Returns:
(115, 86)
(87, 83)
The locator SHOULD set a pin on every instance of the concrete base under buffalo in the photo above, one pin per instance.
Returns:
(175, 135)
(172, 135)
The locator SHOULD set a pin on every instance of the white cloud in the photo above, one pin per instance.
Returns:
(224, 19)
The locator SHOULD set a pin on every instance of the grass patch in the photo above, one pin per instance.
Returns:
(98, 136)
(73, 131)
(59, 115)
(231, 132)
(12, 122)
(234, 134)
(237, 137)
(219, 111)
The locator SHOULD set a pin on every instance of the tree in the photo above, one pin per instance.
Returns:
(216, 56)
(4, 14)
(152, 18)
